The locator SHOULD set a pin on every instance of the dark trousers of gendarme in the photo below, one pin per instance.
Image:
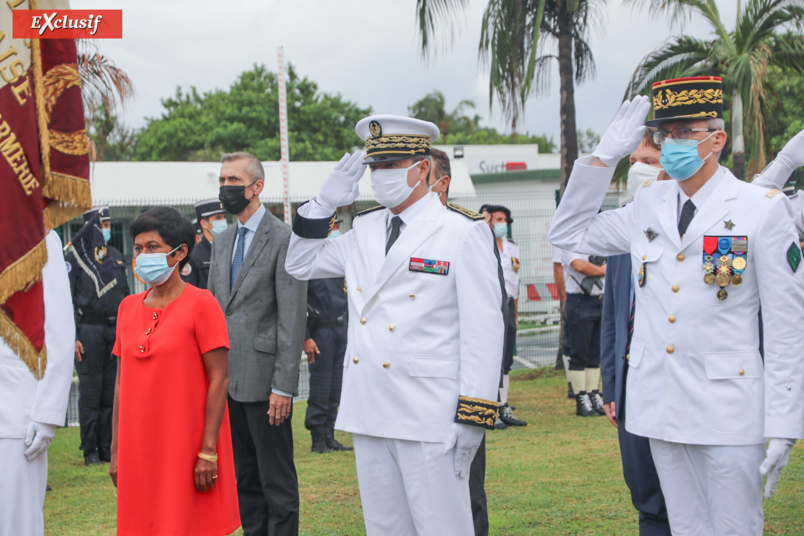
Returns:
(326, 377)
(582, 331)
(97, 372)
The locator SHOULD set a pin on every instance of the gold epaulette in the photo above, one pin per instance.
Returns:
(364, 212)
(471, 214)
(647, 183)
(477, 411)
(772, 193)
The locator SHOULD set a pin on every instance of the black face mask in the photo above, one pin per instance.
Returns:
(233, 198)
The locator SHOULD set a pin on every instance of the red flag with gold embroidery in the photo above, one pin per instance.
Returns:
(44, 171)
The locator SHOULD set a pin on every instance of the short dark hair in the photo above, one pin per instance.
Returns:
(174, 228)
(441, 163)
(647, 139)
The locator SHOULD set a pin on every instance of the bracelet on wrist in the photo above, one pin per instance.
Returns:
(208, 457)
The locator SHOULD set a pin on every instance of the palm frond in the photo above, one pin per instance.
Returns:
(431, 14)
(681, 56)
(102, 82)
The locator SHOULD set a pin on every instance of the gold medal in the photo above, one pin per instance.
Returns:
(709, 279)
(722, 294)
(738, 263)
(722, 279)
(737, 280)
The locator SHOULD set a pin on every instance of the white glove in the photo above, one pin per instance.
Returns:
(38, 439)
(777, 456)
(625, 132)
(340, 188)
(789, 158)
(465, 438)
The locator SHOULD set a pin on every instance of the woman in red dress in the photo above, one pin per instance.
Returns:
(171, 448)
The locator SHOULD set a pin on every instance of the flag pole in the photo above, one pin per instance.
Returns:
(283, 136)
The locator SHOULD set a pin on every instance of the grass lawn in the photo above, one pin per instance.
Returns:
(560, 475)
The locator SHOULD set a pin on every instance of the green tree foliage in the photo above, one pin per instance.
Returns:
(113, 141)
(246, 118)
(742, 56)
(785, 118)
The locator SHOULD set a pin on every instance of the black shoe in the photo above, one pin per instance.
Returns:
(92, 458)
(319, 441)
(48, 488)
(334, 444)
(583, 408)
(507, 416)
(570, 392)
(105, 455)
(499, 424)
(597, 402)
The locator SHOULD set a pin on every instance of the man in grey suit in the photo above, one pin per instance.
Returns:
(247, 276)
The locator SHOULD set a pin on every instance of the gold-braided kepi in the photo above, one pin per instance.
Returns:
(394, 137)
(685, 99)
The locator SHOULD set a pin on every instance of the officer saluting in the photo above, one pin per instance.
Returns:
(708, 251)
(95, 319)
(425, 329)
(211, 220)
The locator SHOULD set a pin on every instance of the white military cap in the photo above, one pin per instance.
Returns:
(395, 137)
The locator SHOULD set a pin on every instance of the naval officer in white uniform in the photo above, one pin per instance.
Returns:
(708, 250)
(425, 329)
(31, 409)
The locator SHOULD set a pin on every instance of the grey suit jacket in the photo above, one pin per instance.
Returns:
(265, 310)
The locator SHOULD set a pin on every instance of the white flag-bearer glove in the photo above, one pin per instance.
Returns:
(789, 158)
(465, 438)
(777, 456)
(625, 132)
(38, 439)
(340, 188)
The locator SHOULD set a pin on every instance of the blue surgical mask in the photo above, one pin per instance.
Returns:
(335, 233)
(153, 267)
(500, 230)
(680, 158)
(107, 235)
(218, 226)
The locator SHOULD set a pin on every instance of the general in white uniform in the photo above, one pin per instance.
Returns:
(24, 400)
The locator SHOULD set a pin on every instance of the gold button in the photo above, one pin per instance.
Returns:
(355, 360)
(674, 288)
(670, 349)
(742, 372)
(412, 296)
(155, 316)
(680, 257)
(363, 320)
(359, 289)
(386, 365)
(671, 318)
(391, 327)
(627, 357)
(148, 331)
(644, 257)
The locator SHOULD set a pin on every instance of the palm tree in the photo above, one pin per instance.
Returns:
(432, 108)
(513, 32)
(741, 56)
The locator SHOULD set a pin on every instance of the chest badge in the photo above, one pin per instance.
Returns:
(515, 264)
(728, 225)
(428, 266)
(650, 234)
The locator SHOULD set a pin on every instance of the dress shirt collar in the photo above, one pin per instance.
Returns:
(254, 221)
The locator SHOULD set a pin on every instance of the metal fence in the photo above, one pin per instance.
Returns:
(532, 210)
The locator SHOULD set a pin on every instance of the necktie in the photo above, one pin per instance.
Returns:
(396, 223)
(687, 212)
(237, 261)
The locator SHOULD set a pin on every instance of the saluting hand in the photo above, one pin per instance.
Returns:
(625, 133)
(341, 188)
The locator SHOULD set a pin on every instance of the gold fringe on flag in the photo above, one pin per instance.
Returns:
(20, 345)
(23, 271)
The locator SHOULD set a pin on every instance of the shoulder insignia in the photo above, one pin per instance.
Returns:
(368, 210)
(794, 256)
(772, 193)
(514, 243)
(647, 183)
(471, 214)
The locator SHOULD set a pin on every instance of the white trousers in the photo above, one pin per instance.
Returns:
(22, 490)
(711, 490)
(409, 488)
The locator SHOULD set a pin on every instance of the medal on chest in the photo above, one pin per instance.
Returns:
(724, 261)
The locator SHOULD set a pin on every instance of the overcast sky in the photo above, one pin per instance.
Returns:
(366, 50)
